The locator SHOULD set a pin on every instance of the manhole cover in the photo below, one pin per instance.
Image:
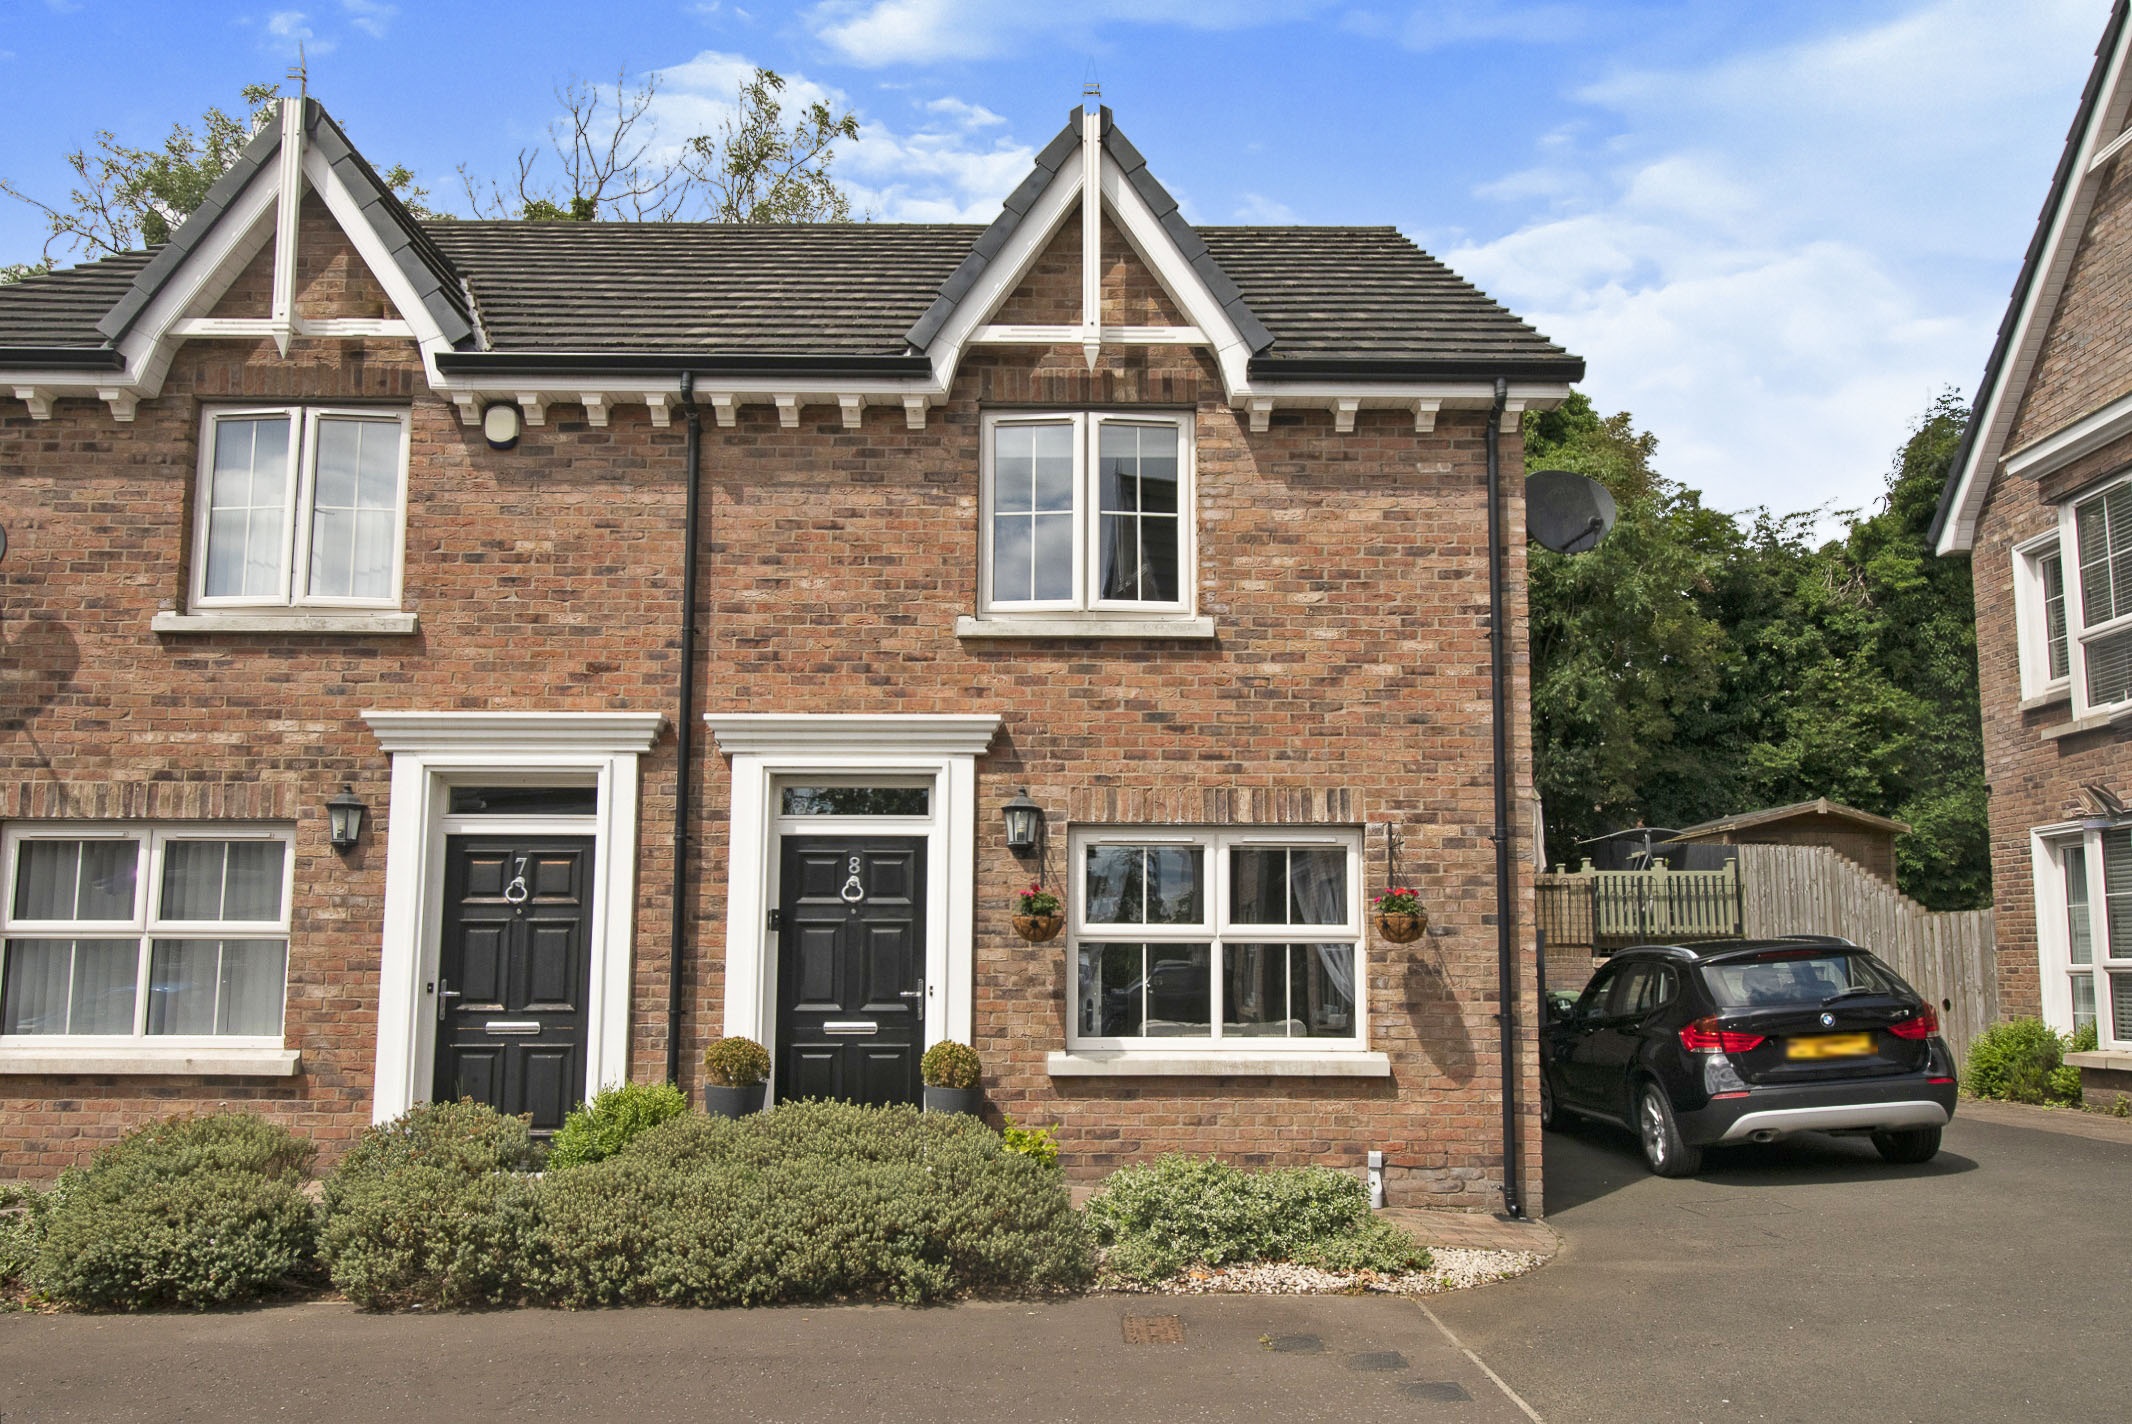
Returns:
(1154, 1330)
(1377, 1360)
(1444, 1390)
(1296, 1344)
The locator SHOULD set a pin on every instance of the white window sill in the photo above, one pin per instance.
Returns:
(16, 1058)
(2049, 697)
(2093, 722)
(2115, 1060)
(371, 624)
(1164, 1063)
(1069, 625)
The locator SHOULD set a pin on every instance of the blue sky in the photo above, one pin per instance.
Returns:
(1774, 230)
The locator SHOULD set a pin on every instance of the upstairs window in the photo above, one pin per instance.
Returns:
(1087, 512)
(2040, 612)
(300, 507)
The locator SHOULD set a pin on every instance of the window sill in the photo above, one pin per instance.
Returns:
(369, 624)
(2114, 1060)
(17, 1059)
(2093, 722)
(1077, 626)
(2049, 697)
(1145, 1063)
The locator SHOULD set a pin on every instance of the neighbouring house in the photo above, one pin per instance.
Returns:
(1858, 836)
(684, 605)
(2040, 498)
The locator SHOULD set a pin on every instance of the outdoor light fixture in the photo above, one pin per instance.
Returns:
(500, 425)
(1025, 823)
(344, 816)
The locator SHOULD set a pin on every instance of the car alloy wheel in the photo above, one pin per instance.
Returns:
(1663, 1149)
(1549, 1118)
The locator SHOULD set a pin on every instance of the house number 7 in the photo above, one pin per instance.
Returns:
(853, 892)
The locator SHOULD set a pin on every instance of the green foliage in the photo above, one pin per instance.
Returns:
(806, 1201)
(760, 171)
(948, 1064)
(22, 1213)
(1163, 1217)
(1036, 1142)
(191, 1211)
(2021, 1061)
(737, 1063)
(1036, 900)
(597, 1130)
(432, 1208)
(1698, 664)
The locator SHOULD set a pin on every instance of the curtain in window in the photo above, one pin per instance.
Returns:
(1318, 881)
(247, 510)
(355, 507)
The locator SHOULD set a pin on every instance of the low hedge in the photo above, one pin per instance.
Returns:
(2022, 1061)
(190, 1211)
(597, 1130)
(807, 1201)
(1159, 1219)
(432, 1208)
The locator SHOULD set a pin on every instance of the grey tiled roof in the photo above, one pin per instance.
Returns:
(61, 309)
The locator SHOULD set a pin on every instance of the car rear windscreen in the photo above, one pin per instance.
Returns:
(1787, 977)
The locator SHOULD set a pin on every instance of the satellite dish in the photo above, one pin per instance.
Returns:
(1566, 512)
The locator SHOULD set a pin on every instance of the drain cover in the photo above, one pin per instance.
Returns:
(1445, 1390)
(1296, 1345)
(1154, 1330)
(1377, 1360)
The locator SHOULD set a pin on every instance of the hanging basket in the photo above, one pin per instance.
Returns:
(1403, 929)
(1037, 929)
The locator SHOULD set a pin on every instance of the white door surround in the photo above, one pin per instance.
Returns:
(433, 751)
(766, 748)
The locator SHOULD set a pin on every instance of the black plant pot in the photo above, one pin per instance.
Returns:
(962, 1100)
(732, 1102)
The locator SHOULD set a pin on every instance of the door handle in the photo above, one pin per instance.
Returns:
(443, 994)
(917, 993)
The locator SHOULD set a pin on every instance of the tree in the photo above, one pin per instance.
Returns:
(754, 169)
(127, 197)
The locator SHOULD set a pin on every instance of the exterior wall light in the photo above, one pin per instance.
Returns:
(344, 817)
(1025, 824)
(500, 424)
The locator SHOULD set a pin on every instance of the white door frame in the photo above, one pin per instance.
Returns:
(765, 747)
(433, 751)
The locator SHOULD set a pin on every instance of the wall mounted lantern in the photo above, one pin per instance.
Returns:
(344, 817)
(1025, 824)
(500, 425)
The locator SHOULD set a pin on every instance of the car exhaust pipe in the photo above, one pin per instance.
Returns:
(1764, 1135)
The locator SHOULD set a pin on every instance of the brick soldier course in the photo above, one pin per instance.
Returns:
(1341, 558)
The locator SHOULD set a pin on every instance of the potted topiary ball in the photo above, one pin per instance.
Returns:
(951, 1071)
(735, 1071)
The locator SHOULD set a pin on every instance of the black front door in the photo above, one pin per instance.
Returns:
(513, 972)
(850, 967)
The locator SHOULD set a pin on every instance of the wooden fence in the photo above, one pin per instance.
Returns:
(1950, 956)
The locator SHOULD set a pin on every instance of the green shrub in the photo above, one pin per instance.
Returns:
(948, 1064)
(1034, 1142)
(737, 1063)
(2021, 1061)
(2065, 1078)
(597, 1130)
(807, 1201)
(191, 1211)
(432, 1208)
(1163, 1217)
(22, 1210)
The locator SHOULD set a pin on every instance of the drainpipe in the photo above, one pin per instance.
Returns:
(1499, 688)
(684, 726)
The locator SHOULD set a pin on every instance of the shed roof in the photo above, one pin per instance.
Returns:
(1820, 806)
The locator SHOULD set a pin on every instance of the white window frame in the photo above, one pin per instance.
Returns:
(1216, 930)
(1087, 426)
(154, 1050)
(2054, 932)
(2077, 637)
(302, 478)
(2031, 617)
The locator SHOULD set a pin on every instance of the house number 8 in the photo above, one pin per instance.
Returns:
(853, 891)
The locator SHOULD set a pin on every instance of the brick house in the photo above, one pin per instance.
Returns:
(1181, 533)
(2040, 498)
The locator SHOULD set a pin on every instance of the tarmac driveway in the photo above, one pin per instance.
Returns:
(1811, 1281)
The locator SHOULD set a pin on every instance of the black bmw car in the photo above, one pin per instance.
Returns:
(1749, 1041)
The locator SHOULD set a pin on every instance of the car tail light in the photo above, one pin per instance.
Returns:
(1925, 1024)
(1704, 1036)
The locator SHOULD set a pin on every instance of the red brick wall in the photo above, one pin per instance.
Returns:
(1346, 575)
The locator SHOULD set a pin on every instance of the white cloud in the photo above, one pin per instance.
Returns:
(943, 173)
(1453, 22)
(287, 30)
(1777, 260)
(876, 33)
(370, 16)
(1258, 208)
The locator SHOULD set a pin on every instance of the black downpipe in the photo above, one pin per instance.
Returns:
(684, 727)
(1499, 680)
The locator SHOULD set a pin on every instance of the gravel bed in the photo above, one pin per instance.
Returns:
(1452, 1268)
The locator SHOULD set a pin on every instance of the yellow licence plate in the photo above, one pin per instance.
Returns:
(1829, 1045)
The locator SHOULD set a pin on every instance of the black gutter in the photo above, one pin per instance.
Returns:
(576, 363)
(1472, 368)
(684, 726)
(1499, 688)
(61, 358)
